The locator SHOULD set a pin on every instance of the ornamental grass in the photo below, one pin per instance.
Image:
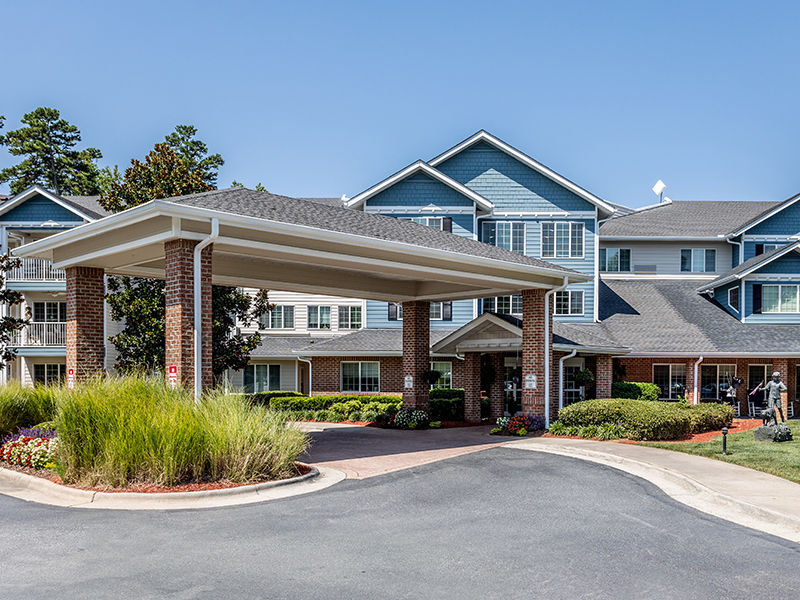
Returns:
(118, 432)
(22, 406)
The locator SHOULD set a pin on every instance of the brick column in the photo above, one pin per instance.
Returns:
(472, 387)
(604, 376)
(781, 365)
(179, 276)
(497, 392)
(416, 353)
(85, 327)
(533, 344)
(690, 383)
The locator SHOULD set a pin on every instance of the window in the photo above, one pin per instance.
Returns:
(733, 298)
(49, 373)
(441, 223)
(440, 311)
(262, 378)
(506, 305)
(505, 234)
(50, 312)
(319, 317)
(280, 317)
(349, 317)
(698, 260)
(671, 379)
(779, 299)
(764, 248)
(445, 374)
(436, 311)
(562, 240)
(361, 376)
(615, 260)
(569, 302)
(715, 381)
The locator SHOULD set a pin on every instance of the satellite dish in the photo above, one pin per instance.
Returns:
(659, 188)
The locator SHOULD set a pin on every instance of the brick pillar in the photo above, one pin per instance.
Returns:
(85, 327)
(179, 275)
(472, 387)
(690, 383)
(742, 392)
(533, 345)
(781, 365)
(416, 353)
(604, 376)
(497, 392)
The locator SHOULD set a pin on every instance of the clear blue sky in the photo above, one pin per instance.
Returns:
(324, 98)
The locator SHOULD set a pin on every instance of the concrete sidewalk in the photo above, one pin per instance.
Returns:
(738, 494)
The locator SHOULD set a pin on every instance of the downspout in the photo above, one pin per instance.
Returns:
(197, 284)
(696, 371)
(547, 296)
(308, 362)
(741, 249)
(561, 362)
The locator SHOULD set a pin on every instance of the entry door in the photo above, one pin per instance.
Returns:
(757, 374)
(572, 391)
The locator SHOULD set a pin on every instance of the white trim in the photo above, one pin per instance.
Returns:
(659, 276)
(782, 277)
(737, 308)
(785, 239)
(596, 300)
(659, 238)
(785, 204)
(547, 214)
(35, 189)
(421, 210)
(411, 169)
(477, 322)
(485, 136)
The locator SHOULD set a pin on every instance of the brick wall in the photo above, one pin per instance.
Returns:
(472, 387)
(533, 311)
(326, 373)
(416, 352)
(603, 376)
(497, 393)
(85, 320)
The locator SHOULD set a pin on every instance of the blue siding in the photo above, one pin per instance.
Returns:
(721, 298)
(419, 190)
(788, 264)
(378, 315)
(785, 222)
(39, 209)
(462, 224)
(509, 184)
(750, 246)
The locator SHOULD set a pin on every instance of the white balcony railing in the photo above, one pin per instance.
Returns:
(35, 269)
(41, 334)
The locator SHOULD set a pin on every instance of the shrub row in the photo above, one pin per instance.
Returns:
(635, 390)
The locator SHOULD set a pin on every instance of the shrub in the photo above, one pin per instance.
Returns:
(264, 398)
(589, 432)
(435, 424)
(537, 423)
(22, 406)
(335, 417)
(300, 402)
(635, 390)
(522, 432)
(502, 422)
(496, 431)
(706, 417)
(639, 419)
(321, 415)
(354, 416)
(447, 393)
(120, 431)
(447, 409)
(411, 419)
(557, 428)
(369, 416)
(518, 422)
(609, 431)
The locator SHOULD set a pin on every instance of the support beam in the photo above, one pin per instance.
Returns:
(497, 393)
(416, 354)
(533, 351)
(472, 387)
(85, 323)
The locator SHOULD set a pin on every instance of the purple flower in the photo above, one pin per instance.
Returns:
(34, 432)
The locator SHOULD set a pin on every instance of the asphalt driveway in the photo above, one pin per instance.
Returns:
(494, 524)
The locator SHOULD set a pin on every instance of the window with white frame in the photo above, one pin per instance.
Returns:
(698, 260)
(562, 239)
(349, 317)
(50, 312)
(764, 248)
(505, 234)
(438, 311)
(435, 222)
(671, 380)
(733, 298)
(319, 317)
(360, 376)
(569, 302)
(779, 299)
(47, 373)
(615, 260)
(715, 381)
(262, 378)
(445, 369)
(280, 317)
(506, 305)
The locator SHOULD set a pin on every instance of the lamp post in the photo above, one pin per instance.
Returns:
(725, 440)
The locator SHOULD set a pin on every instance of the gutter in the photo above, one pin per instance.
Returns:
(547, 295)
(561, 362)
(741, 248)
(198, 309)
(696, 390)
(308, 362)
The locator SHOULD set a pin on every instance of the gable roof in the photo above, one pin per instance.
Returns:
(748, 266)
(688, 219)
(82, 212)
(88, 204)
(419, 166)
(485, 136)
(766, 214)
(364, 342)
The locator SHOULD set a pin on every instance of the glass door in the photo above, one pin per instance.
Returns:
(757, 374)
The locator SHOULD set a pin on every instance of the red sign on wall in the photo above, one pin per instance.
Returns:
(172, 376)
(70, 378)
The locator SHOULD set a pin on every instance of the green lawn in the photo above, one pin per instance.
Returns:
(781, 459)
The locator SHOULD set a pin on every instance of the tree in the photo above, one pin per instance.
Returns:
(194, 153)
(9, 325)
(258, 188)
(48, 143)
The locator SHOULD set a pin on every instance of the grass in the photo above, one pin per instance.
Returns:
(781, 459)
(22, 406)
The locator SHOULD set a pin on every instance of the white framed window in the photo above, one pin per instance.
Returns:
(698, 260)
(715, 381)
(360, 376)
(440, 311)
(50, 312)
(733, 298)
(506, 305)
(262, 378)
(671, 379)
(509, 235)
(764, 248)
(319, 317)
(569, 302)
(47, 373)
(562, 239)
(615, 260)
(435, 222)
(280, 317)
(445, 369)
(349, 317)
(436, 311)
(779, 299)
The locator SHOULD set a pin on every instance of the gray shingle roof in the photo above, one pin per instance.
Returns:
(88, 205)
(264, 205)
(670, 316)
(367, 341)
(750, 263)
(686, 219)
(329, 201)
(777, 205)
(589, 335)
(274, 346)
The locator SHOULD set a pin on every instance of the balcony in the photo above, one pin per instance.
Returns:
(35, 269)
(41, 334)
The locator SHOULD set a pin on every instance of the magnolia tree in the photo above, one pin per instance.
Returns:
(9, 326)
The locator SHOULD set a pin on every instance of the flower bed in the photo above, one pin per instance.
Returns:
(31, 452)
(518, 425)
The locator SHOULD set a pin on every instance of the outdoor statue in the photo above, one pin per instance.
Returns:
(773, 391)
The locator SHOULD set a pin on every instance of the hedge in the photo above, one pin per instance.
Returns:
(447, 393)
(635, 390)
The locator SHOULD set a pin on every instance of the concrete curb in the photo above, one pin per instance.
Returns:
(682, 488)
(35, 489)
